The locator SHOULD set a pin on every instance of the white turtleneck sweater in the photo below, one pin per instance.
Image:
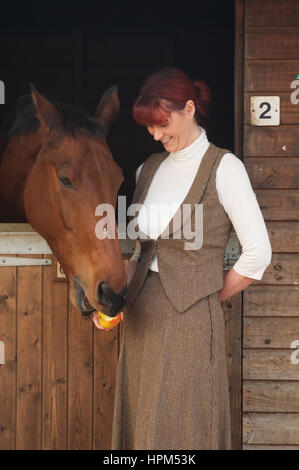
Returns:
(171, 184)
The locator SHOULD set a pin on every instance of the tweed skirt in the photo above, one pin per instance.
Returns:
(172, 383)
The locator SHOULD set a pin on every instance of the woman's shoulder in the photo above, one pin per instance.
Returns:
(148, 161)
(231, 174)
(230, 162)
(232, 179)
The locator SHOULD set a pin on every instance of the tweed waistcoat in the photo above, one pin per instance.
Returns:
(187, 275)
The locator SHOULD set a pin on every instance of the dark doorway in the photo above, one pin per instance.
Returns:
(74, 53)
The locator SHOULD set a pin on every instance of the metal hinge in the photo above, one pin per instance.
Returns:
(14, 261)
(232, 253)
(2, 353)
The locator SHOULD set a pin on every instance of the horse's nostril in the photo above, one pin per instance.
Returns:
(103, 290)
(110, 299)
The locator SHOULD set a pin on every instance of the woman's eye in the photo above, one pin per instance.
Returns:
(65, 181)
(165, 124)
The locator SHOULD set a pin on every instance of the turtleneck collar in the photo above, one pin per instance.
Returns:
(198, 147)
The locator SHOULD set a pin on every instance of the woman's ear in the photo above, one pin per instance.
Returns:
(190, 109)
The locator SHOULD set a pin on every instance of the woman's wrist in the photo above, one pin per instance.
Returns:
(233, 283)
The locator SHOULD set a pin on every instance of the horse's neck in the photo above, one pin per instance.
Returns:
(17, 162)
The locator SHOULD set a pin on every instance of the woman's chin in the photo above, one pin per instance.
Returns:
(170, 147)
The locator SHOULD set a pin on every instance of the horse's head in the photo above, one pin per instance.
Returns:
(74, 172)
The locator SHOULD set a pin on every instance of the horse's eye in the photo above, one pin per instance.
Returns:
(65, 181)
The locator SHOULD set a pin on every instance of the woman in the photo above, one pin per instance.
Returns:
(172, 387)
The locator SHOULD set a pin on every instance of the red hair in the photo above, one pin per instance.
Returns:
(174, 86)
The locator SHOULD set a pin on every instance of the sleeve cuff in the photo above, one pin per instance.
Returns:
(257, 276)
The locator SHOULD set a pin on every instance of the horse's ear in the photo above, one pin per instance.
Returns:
(46, 111)
(108, 108)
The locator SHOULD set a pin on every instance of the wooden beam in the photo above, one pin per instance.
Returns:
(271, 428)
(265, 396)
(234, 307)
(272, 13)
(269, 364)
(270, 301)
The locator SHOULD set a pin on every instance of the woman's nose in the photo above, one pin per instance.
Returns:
(157, 135)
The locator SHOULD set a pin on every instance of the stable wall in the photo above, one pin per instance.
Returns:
(271, 306)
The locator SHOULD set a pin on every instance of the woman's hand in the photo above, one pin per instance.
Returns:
(95, 320)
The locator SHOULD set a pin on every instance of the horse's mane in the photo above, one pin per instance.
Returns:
(75, 121)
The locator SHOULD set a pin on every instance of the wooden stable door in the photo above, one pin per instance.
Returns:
(58, 379)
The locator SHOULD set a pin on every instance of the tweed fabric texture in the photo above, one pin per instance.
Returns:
(172, 383)
(172, 386)
(186, 275)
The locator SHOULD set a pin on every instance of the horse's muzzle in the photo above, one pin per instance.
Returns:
(111, 300)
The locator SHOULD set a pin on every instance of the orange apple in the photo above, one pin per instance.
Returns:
(108, 322)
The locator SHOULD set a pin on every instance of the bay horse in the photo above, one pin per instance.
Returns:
(55, 170)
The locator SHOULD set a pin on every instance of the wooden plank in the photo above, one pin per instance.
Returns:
(269, 364)
(269, 447)
(273, 173)
(8, 404)
(280, 204)
(270, 75)
(283, 269)
(105, 364)
(272, 12)
(80, 380)
(278, 396)
(284, 236)
(232, 308)
(55, 328)
(270, 332)
(288, 111)
(29, 376)
(270, 301)
(271, 141)
(272, 43)
(271, 428)
(270, 29)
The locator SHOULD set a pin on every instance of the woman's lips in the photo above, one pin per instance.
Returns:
(166, 142)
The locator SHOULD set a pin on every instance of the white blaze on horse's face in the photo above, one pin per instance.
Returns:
(74, 172)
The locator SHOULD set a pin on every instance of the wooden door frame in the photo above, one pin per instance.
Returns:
(237, 301)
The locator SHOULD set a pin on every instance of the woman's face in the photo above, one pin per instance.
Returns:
(178, 131)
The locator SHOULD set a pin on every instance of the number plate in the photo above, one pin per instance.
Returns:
(265, 110)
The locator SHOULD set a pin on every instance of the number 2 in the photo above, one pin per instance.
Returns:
(268, 107)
